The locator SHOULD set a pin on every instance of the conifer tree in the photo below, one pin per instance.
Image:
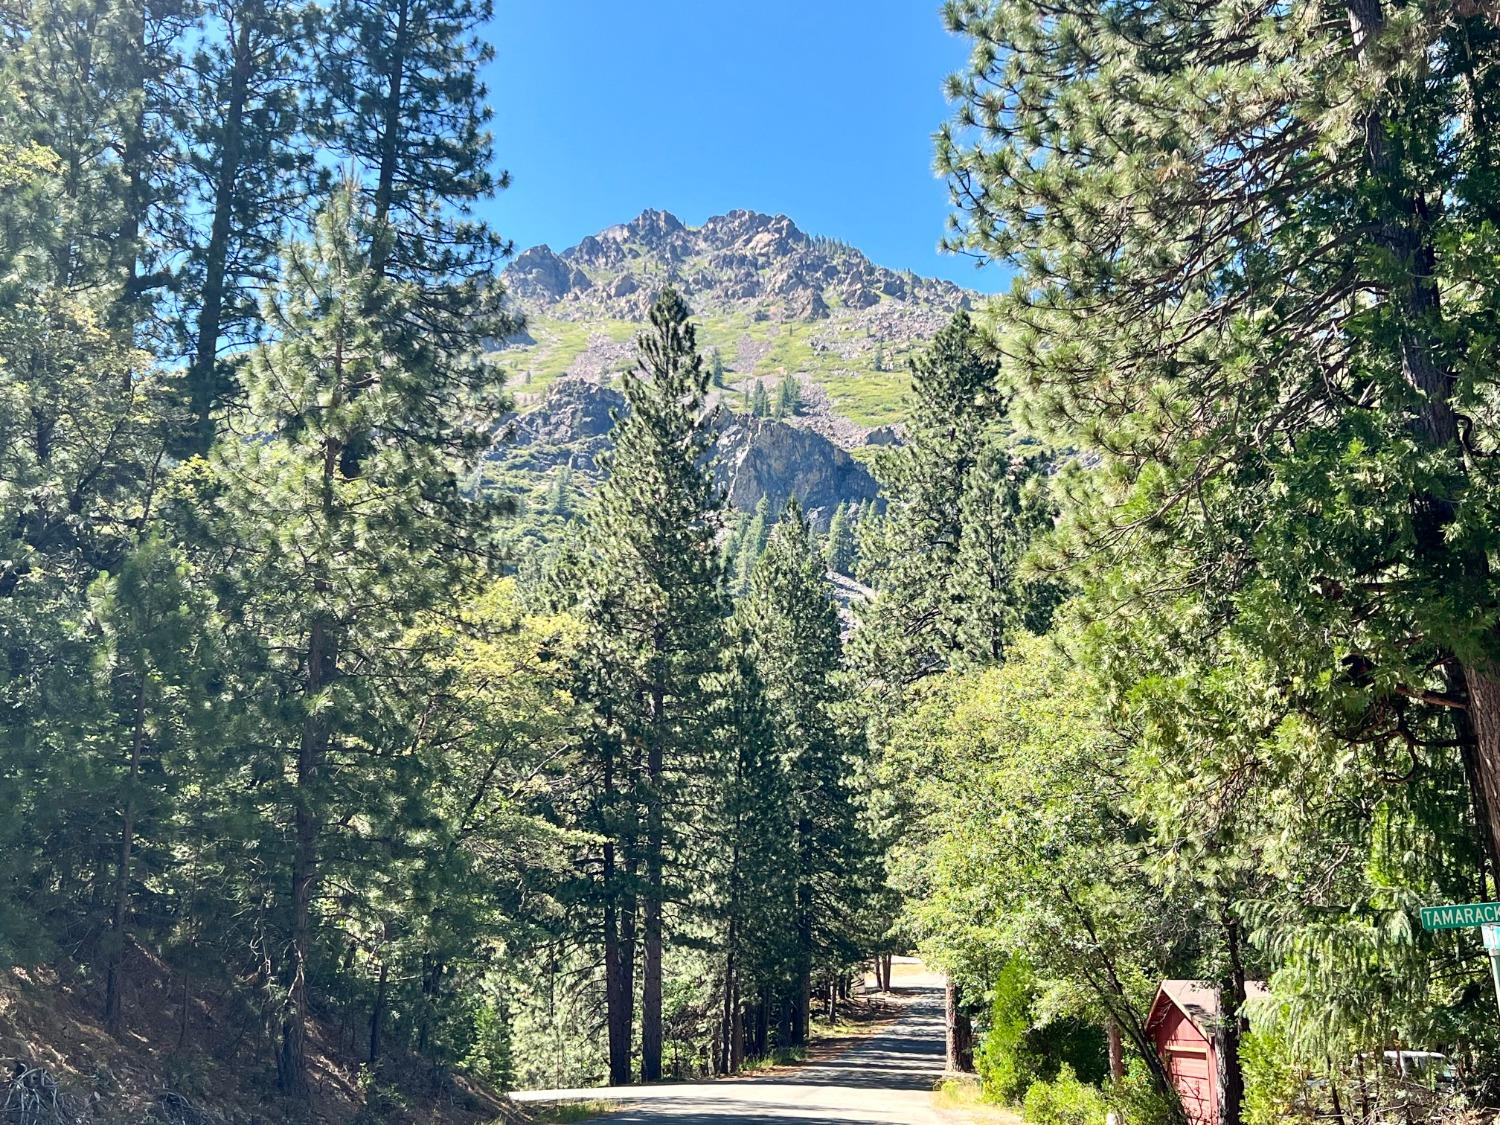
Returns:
(839, 548)
(760, 401)
(794, 641)
(80, 411)
(407, 106)
(251, 159)
(1003, 509)
(752, 542)
(717, 362)
(758, 884)
(913, 626)
(155, 660)
(1255, 299)
(315, 542)
(96, 82)
(651, 598)
(560, 492)
(788, 397)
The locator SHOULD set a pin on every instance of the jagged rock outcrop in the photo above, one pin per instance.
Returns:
(742, 256)
(571, 427)
(539, 274)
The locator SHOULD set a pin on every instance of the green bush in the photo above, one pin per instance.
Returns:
(1137, 1101)
(1006, 1063)
(1275, 1086)
(1064, 1101)
(1014, 1053)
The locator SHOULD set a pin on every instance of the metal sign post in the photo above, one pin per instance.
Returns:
(1491, 933)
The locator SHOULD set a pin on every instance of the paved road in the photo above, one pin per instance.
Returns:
(886, 1079)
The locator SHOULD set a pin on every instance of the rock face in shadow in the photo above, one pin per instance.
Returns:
(763, 457)
(754, 457)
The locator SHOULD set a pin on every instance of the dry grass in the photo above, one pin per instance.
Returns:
(563, 1113)
(958, 1099)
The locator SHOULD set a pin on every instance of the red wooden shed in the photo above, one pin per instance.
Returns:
(1185, 1025)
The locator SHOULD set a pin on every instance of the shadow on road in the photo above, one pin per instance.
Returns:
(883, 1079)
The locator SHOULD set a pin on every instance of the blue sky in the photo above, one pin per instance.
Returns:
(820, 109)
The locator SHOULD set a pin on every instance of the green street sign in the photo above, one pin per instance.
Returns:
(1460, 915)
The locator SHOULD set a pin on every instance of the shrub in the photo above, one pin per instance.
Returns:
(1064, 1101)
(1015, 1053)
(1137, 1101)
(1274, 1084)
(1006, 1063)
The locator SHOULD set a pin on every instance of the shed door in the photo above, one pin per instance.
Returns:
(1188, 1068)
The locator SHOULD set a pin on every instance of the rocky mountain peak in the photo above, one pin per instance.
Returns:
(653, 226)
(751, 232)
(763, 263)
(772, 302)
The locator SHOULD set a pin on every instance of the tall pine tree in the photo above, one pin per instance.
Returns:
(251, 159)
(794, 638)
(912, 628)
(652, 600)
(331, 569)
(1257, 299)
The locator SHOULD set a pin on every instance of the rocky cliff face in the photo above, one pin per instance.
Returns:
(754, 457)
(763, 457)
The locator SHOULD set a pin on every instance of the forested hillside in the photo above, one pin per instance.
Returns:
(428, 671)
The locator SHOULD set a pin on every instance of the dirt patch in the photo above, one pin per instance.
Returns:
(192, 1052)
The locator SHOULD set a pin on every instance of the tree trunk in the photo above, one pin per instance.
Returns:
(312, 747)
(202, 376)
(113, 1020)
(786, 1022)
(731, 990)
(1483, 687)
(619, 1002)
(291, 1062)
(885, 972)
(651, 1034)
(736, 1031)
(391, 133)
(1406, 235)
(960, 1040)
(950, 1012)
(802, 1001)
(1231, 1005)
(1116, 1047)
(127, 242)
(802, 1008)
(377, 1012)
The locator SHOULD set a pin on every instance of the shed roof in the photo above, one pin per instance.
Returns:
(1199, 1000)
